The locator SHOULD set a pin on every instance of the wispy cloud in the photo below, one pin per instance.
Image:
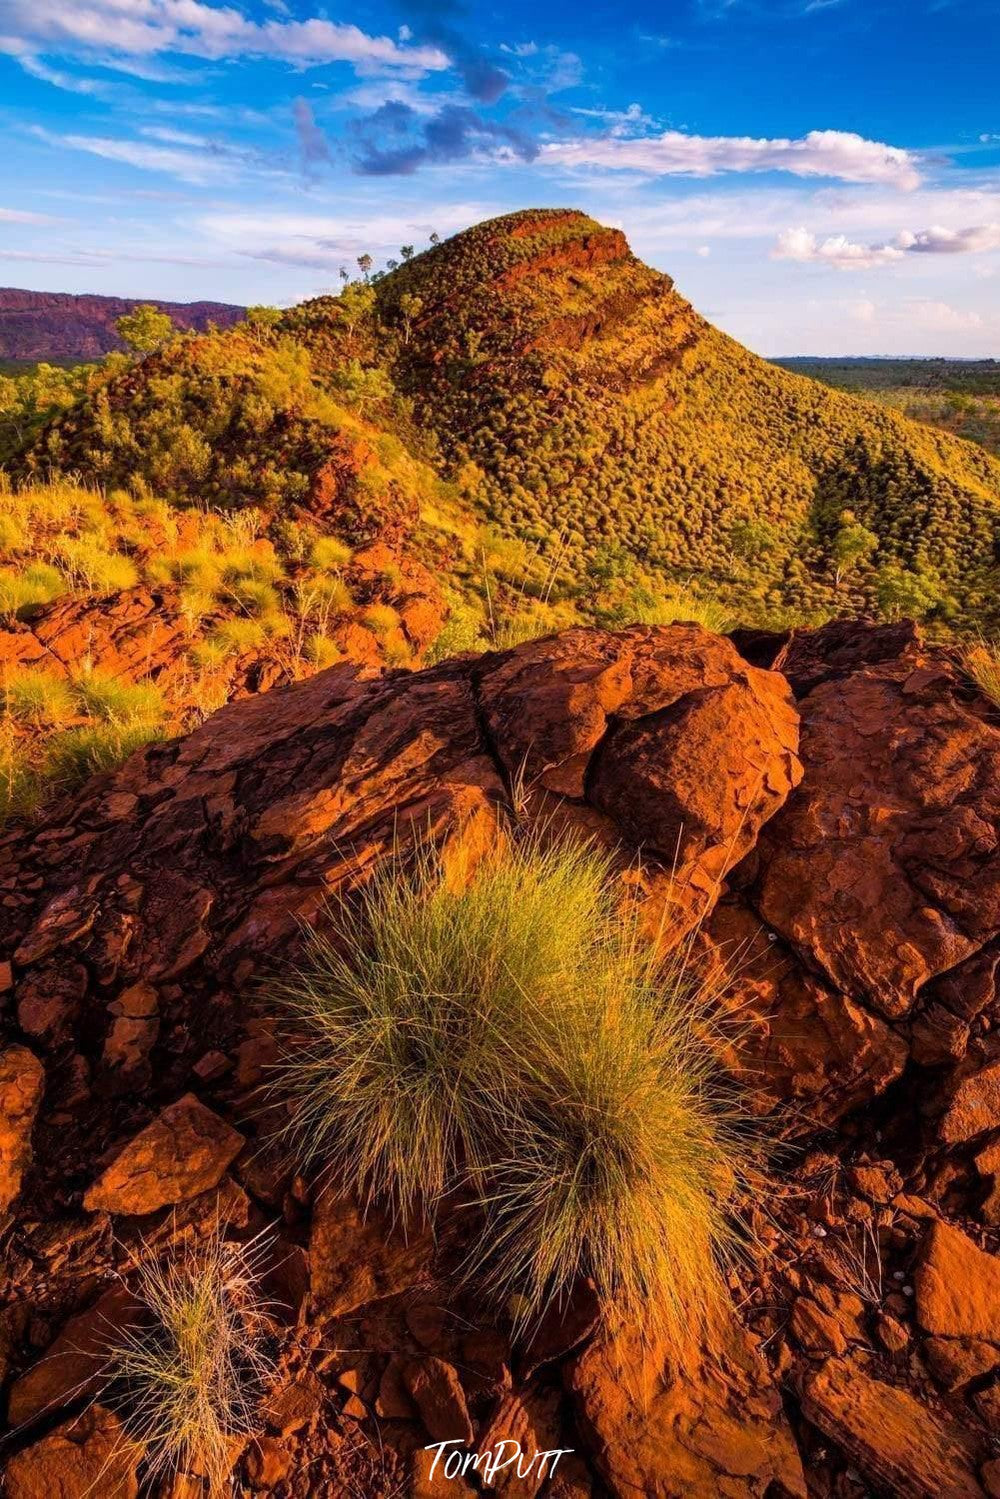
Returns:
(327, 241)
(22, 216)
(143, 28)
(822, 153)
(314, 148)
(191, 158)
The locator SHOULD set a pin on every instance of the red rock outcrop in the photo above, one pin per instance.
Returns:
(849, 887)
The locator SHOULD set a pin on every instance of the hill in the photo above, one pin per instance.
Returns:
(37, 325)
(604, 411)
(578, 404)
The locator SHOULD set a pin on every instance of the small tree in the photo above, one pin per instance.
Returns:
(356, 302)
(264, 317)
(365, 263)
(435, 237)
(852, 543)
(411, 307)
(905, 594)
(145, 329)
(406, 251)
(751, 539)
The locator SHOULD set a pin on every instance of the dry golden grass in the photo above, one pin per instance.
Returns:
(981, 661)
(516, 1037)
(189, 1375)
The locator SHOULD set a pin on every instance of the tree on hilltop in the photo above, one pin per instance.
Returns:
(145, 329)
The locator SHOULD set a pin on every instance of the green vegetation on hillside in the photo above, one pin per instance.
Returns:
(586, 404)
(531, 377)
(961, 396)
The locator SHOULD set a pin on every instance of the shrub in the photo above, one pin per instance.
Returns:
(189, 1377)
(37, 698)
(513, 1033)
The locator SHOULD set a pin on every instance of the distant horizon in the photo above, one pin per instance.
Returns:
(194, 301)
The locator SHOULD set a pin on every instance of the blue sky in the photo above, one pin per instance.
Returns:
(819, 176)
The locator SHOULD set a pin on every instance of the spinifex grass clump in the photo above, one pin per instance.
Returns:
(981, 660)
(189, 1375)
(514, 1035)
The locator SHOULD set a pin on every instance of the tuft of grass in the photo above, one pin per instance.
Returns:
(380, 618)
(235, 636)
(38, 583)
(188, 1378)
(120, 702)
(322, 651)
(513, 1035)
(89, 565)
(257, 596)
(21, 790)
(330, 555)
(981, 661)
(75, 755)
(37, 698)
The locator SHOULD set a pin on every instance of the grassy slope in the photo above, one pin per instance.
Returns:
(565, 392)
(600, 407)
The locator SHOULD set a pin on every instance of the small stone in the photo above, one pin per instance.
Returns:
(974, 1106)
(295, 1405)
(436, 1391)
(267, 1463)
(954, 1362)
(815, 1330)
(22, 1082)
(73, 1364)
(892, 1334)
(185, 1151)
(87, 1456)
(958, 1287)
(212, 1065)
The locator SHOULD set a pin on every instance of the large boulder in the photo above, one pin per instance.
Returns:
(884, 869)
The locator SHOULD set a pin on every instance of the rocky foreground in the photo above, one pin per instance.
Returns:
(829, 805)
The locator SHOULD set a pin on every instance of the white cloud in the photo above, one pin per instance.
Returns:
(942, 317)
(142, 28)
(822, 153)
(837, 250)
(847, 255)
(941, 241)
